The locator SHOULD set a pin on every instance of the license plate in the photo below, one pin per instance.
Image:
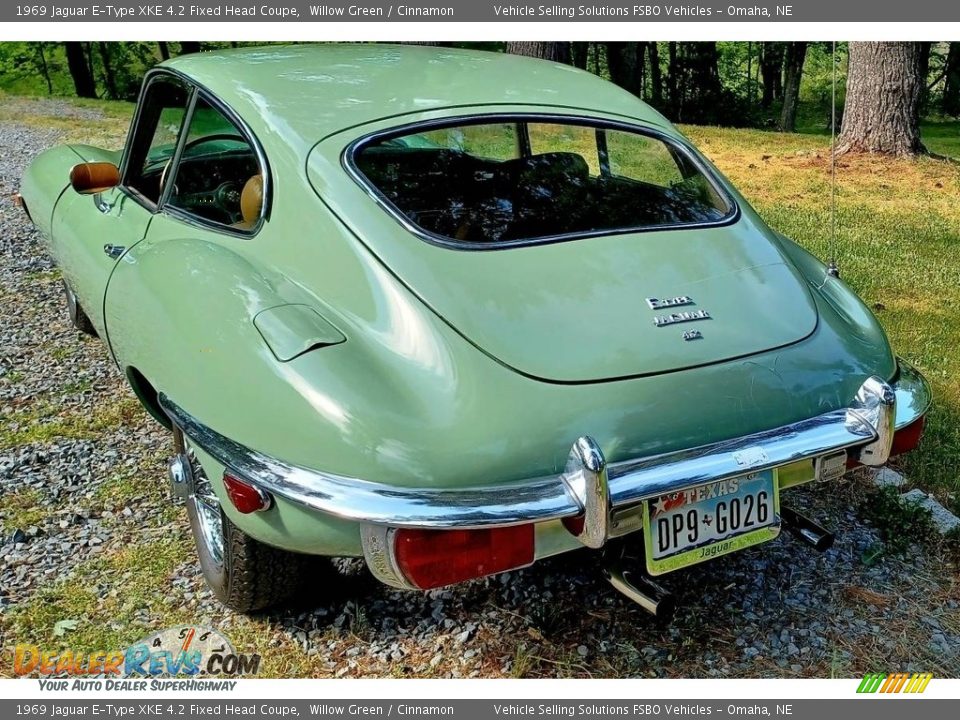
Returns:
(710, 520)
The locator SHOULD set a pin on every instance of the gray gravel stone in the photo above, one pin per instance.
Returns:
(943, 520)
(888, 477)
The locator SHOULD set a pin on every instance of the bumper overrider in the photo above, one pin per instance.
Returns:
(595, 500)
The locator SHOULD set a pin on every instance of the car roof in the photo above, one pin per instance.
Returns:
(308, 92)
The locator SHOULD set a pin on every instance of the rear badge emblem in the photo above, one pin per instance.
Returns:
(689, 335)
(657, 304)
(680, 317)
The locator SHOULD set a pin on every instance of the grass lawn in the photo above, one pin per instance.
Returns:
(897, 244)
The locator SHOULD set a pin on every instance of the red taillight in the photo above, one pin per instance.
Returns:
(907, 438)
(434, 558)
(246, 498)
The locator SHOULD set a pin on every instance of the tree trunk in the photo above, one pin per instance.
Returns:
(90, 66)
(44, 69)
(555, 51)
(578, 54)
(771, 71)
(882, 112)
(625, 64)
(673, 71)
(191, 46)
(656, 75)
(699, 89)
(83, 81)
(108, 76)
(796, 54)
(950, 103)
(925, 48)
(164, 50)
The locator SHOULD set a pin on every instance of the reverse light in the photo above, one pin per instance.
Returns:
(434, 558)
(244, 496)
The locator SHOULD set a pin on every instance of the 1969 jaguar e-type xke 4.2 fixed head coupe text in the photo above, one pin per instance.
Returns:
(455, 312)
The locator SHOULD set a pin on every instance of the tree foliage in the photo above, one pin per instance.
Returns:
(785, 85)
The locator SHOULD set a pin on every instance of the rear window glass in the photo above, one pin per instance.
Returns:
(515, 181)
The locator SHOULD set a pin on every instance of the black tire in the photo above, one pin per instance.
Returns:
(245, 574)
(78, 317)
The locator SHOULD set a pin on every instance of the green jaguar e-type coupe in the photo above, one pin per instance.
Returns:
(455, 312)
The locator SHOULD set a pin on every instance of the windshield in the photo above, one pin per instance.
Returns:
(525, 180)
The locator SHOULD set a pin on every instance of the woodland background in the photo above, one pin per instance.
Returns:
(784, 86)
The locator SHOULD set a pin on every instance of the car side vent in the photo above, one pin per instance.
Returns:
(291, 330)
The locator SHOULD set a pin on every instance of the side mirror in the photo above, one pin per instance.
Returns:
(94, 177)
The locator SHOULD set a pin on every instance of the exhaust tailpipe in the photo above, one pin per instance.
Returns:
(633, 582)
(807, 530)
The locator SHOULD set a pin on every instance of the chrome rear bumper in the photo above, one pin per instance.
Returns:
(589, 486)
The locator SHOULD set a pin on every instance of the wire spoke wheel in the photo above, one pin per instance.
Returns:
(244, 573)
(206, 506)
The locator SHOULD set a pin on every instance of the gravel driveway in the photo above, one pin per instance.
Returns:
(89, 535)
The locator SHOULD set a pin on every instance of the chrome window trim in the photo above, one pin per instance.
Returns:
(588, 485)
(150, 77)
(348, 162)
(196, 91)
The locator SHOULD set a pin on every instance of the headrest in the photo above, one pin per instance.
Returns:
(251, 200)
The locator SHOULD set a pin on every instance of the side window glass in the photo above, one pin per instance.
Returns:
(555, 138)
(218, 178)
(489, 141)
(154, 141)
(644, 159)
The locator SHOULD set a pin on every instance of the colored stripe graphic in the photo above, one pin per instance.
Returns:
(871, 682)
(894, 683)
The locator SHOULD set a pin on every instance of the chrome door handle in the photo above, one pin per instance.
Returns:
(114, 251)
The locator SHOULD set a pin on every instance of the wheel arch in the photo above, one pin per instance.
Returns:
(147, 395)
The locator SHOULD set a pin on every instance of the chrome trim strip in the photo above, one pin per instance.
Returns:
(875, 404)
(196, 90)
(810, 438)
(588, 485)
(586, 479)
(378, 503)
(914, 396)
(377, 541)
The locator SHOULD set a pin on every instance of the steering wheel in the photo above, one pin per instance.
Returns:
(211, 138)
(224, 198)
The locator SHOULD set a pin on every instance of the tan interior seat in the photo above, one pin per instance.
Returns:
(251, 202)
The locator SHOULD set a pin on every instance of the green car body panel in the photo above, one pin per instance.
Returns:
(381, 356)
